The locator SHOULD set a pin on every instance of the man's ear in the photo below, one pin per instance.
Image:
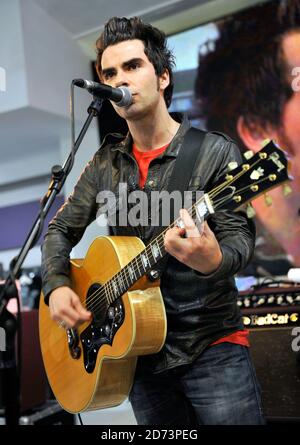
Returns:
(164, 80)
(253, 135)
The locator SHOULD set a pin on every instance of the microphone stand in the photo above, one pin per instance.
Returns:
(8, 290)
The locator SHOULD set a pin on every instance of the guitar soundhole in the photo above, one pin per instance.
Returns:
(106, 322)
(97, 305)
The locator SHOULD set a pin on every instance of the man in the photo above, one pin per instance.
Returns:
(256, 61)
(191, 380)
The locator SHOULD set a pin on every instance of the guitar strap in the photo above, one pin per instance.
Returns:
(179, 180)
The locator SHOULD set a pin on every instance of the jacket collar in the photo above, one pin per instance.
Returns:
(125, 146)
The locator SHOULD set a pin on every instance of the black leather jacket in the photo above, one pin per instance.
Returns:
(200, 309)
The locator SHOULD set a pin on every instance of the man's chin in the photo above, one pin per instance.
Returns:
(134, 111)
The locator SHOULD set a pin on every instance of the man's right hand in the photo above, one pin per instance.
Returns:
(66, 308)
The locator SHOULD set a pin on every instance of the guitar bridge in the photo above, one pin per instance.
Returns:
(73, 343)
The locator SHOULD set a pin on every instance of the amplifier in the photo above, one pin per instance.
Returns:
(269, 296)
(272, 316)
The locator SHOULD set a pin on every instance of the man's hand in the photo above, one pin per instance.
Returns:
(66, 309)
(201, 252)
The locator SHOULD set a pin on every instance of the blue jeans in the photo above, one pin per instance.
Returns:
(219, 388)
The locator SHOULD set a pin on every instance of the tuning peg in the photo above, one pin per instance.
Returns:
(248, 154)
(257, 173)
(286, 189)
(250, 211)
(232, 165)
(268, 200)
(265, 142)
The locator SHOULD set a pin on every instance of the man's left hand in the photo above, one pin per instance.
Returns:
(199, 251)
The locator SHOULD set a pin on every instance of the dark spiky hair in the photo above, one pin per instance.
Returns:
(120, 29)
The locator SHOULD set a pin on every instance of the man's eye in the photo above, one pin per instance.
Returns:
(108, 76)
(133, 66)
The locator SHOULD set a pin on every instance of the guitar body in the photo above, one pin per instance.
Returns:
(138, 328)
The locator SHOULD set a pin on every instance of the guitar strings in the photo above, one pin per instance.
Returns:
(107, 289)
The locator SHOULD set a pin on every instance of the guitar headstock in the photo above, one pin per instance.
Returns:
(267, 169)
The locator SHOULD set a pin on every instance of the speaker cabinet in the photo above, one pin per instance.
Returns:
(278, 371)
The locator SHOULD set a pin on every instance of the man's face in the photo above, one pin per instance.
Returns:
(283, 217)
(289, 139)
(126, 64)
(289, 135)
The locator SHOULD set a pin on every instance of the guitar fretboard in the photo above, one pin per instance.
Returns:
(135, 269)
(149, 257)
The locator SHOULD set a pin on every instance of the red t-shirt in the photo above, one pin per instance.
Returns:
(143, 159)
(239, 337)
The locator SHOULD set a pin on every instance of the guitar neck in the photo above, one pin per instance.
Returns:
(146, 260)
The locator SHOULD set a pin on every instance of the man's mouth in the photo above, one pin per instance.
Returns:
(133, 96)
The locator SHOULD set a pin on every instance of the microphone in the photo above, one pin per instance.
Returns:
(121, 96)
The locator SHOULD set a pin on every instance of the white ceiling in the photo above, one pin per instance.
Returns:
(80, 17)
(84, 19)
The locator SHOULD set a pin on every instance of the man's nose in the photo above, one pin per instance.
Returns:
(121, 80)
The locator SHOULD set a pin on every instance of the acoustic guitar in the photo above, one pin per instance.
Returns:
(93, 366)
